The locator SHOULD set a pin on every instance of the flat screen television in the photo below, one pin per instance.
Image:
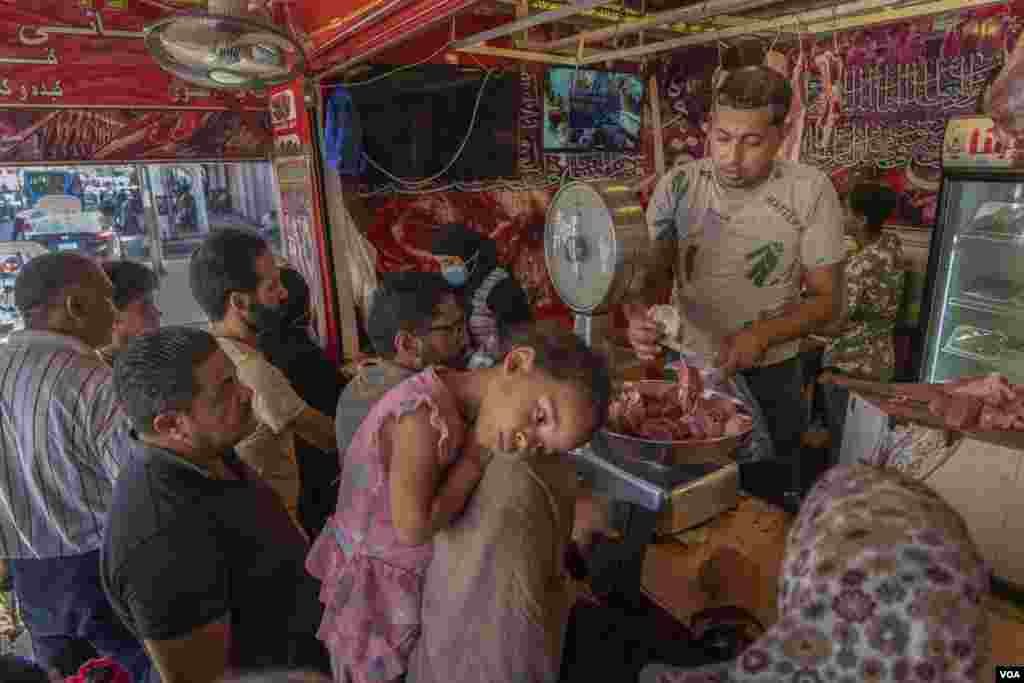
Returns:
(414, 121)
(592, 111)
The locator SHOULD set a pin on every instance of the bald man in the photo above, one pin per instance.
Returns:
(60, 425)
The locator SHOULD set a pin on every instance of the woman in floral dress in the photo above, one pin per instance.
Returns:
(864, 346)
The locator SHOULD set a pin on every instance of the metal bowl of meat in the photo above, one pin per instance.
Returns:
(667, 424)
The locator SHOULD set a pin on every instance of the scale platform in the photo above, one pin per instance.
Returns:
(681, 497)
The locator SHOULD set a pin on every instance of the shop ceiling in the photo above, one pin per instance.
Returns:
(594, 31)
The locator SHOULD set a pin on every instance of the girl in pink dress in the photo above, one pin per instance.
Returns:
(410, 469)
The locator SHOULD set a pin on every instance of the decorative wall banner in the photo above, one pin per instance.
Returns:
(893, 88)
(59, 53)
(37, 135)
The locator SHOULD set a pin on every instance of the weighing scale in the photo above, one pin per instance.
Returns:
(595, 240)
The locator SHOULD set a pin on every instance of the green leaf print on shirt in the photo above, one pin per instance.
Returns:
(665, 227)
(763, 262)
(680, 184)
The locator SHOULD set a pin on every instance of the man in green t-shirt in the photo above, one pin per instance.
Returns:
(739, 234)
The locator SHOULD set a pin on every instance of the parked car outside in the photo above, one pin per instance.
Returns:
(24, 220)
(85, 232)
(13, 256)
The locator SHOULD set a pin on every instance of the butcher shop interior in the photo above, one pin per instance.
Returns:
(665, 341)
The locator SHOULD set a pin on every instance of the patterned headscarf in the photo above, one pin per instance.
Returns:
(881, 582)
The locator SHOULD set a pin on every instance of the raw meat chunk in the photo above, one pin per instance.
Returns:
(676, 412)
(691, 386)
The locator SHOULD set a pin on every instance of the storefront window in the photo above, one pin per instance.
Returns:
(153, 213)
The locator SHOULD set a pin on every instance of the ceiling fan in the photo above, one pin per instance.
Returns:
(230, 45)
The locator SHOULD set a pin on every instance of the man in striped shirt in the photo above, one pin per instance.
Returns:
(60, 424)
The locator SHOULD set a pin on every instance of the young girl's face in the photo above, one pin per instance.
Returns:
(527, 409)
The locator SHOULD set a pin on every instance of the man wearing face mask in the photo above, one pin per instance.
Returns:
(315, 377)
(237, 283)
(489, 294)
(415, 321)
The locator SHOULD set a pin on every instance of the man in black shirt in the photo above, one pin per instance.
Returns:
(200, 557)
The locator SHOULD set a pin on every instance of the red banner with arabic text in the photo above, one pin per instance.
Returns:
(67, 53)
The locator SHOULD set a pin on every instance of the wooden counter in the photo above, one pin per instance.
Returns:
(759, 530)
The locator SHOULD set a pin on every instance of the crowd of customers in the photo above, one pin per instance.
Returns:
(190, 505)
(168, 536)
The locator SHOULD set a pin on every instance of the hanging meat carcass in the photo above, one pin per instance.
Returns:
(830, 68)
(794, 128)
(1004, 103)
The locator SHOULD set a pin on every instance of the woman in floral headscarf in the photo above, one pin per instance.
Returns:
(881, 583)
(864, 346)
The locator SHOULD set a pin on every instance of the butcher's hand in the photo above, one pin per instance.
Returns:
(642, 332)
(740, 351)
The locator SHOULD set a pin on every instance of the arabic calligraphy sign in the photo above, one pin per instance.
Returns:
(947, 85)
(884, 144)
(55, 53)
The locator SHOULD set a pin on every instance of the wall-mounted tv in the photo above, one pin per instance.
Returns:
(415, 120)
(592, 111)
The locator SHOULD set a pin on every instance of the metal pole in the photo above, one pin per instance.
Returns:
(694, 12)
(527, 22)
(850, 9)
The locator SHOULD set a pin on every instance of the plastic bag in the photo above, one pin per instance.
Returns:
(758, 444)
(361, 256)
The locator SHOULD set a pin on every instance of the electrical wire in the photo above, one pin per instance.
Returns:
(458, 152)
(389, 74)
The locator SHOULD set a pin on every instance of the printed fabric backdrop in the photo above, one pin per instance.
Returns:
(878, 98)
(512, 212)
(52, 135)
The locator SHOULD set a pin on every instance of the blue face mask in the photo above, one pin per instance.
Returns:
(457, 275)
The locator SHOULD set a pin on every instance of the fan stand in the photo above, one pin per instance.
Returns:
(595, 240)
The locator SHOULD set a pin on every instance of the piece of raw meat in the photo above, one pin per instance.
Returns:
(795, 119)
(962, 412)
(717, 413)
(634, 416)
(958, 411)
(922, 392)
(676, 412)
(994, 418)
(830, 70)
(993, 390)
(697, 424)
(738, 424)
(1004, 102)
(661, 429)
(691, 386)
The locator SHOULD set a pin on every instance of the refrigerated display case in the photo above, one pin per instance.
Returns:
(974, 292)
